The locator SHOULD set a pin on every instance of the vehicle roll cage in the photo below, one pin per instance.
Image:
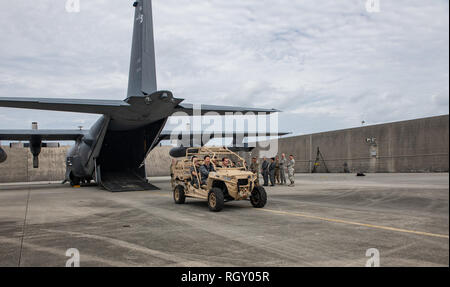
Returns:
(212, 152)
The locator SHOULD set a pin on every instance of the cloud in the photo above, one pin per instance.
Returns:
(326, 64)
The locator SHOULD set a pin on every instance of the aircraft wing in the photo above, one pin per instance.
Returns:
(65, 105)
(48, 135)
(221, 110)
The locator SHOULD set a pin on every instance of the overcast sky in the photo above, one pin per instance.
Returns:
(326, 64)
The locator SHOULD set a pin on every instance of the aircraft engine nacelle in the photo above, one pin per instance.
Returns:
(3, 155)
(178, 152)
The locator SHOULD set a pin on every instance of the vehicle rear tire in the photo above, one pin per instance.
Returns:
(178, 194)
(215, 199)
(259, 197)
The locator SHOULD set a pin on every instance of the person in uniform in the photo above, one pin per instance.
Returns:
(265, 171)
(282, 168)
(254, 168)
(206, 168)
(277, 170)
(290, 167)
(195, 163)
(272, 171)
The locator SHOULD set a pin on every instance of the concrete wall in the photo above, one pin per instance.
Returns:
(18, 167)
(409, 146)
(158, 161)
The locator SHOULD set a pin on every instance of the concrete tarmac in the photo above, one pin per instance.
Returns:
(325, 220)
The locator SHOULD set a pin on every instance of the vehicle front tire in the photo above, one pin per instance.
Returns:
(259, 197)
(178, 194)
(215, 199)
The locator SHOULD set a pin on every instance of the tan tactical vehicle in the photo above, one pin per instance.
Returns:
(226, 183)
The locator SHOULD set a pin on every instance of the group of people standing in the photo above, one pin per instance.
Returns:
(275, 169)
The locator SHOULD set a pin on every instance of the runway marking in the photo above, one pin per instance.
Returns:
(24, 227)
(355, 223)
(347, 222)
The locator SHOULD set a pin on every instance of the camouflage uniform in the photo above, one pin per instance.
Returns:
(255, 169)
(283, 170)
(290, 167)
(277, 171)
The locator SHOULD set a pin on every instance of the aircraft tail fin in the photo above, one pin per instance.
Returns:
(142, 76)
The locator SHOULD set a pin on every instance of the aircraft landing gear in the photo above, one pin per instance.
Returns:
(74, 181)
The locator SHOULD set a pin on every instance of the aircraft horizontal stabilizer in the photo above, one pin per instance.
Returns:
(221, 110)
(65, 105)
(48, 135)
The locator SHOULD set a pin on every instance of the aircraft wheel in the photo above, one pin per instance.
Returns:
(74, 180)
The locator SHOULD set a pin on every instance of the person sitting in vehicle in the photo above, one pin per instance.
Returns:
(196, 163)
(206, 168)
(225, 162)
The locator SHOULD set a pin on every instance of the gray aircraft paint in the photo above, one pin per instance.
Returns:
(142, 77)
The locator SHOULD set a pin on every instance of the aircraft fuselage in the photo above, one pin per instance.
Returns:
(120, 141)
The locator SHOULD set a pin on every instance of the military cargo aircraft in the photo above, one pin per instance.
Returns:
(113, 151)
